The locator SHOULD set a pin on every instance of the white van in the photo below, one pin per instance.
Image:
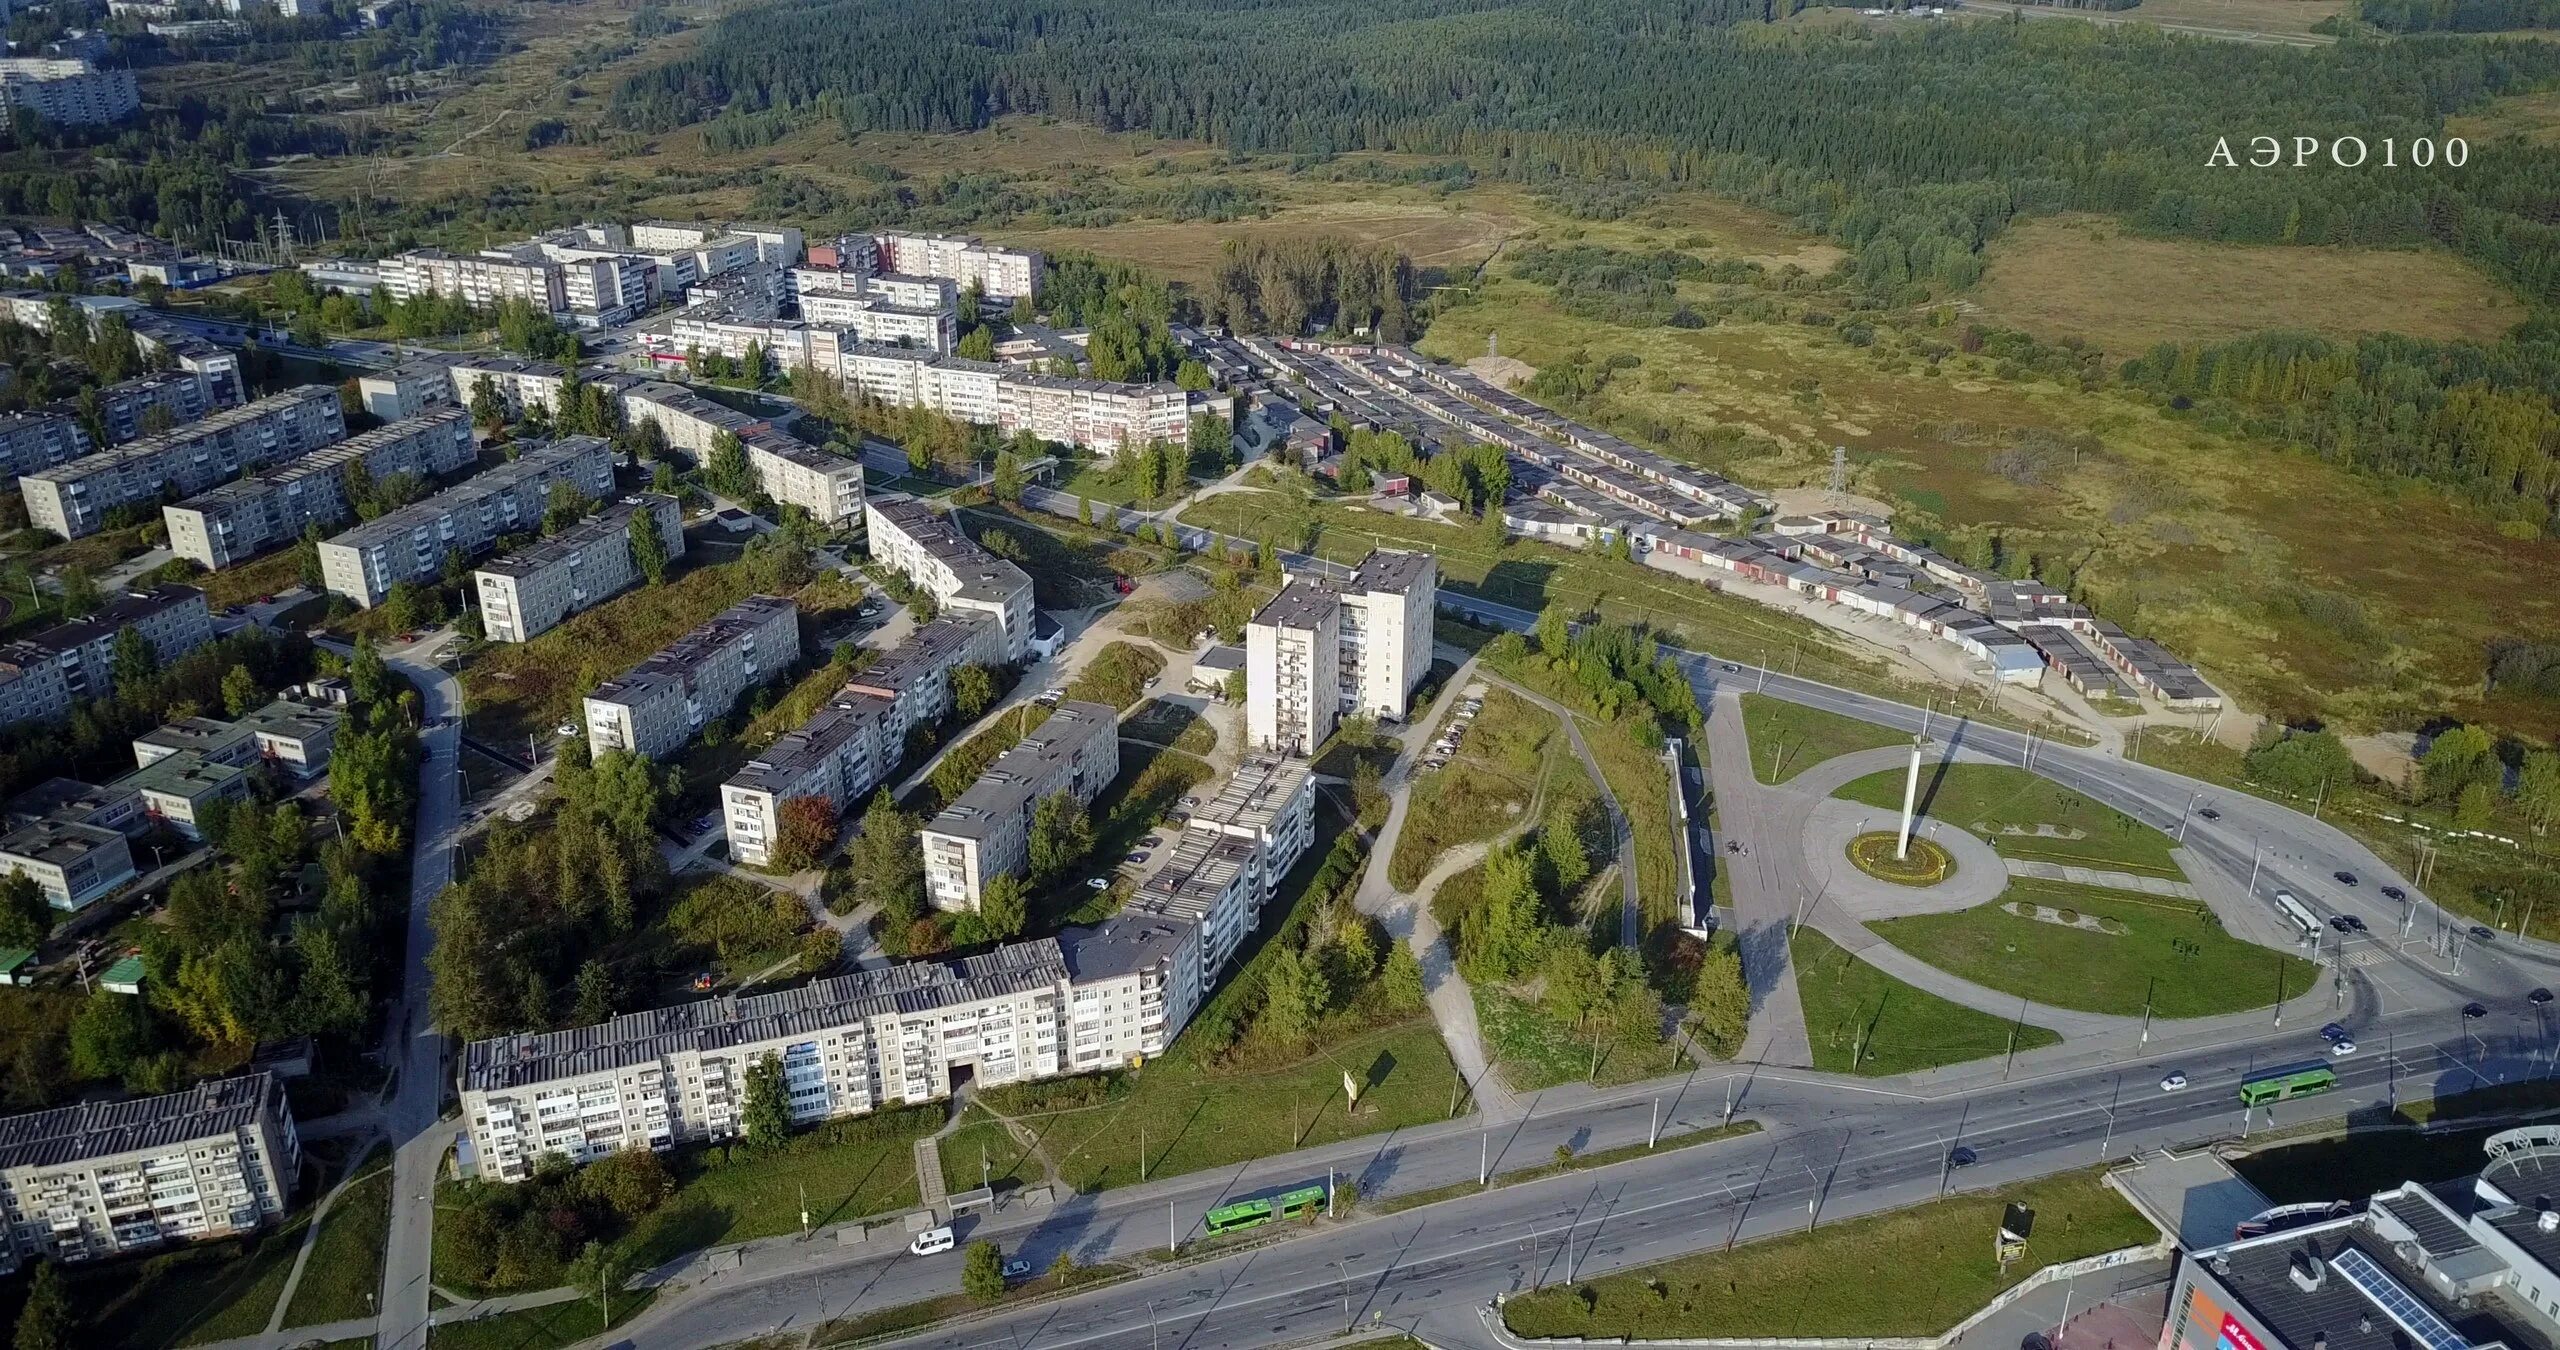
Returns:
(931, 1241)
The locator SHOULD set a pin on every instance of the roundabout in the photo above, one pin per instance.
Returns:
(1924, 863)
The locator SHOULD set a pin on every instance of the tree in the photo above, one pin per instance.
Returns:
(727, 472)
(1236, 689)
(2474, 806)
(1510, 928)
(648, 546)
(567, 505)
(1293, 996)
(1061, 836)
(1720, 1000)
(1402, 978)
(1003, 907)
(973, 691)
(1560, 839)
(25, 916)
(1192, 375)
(240, 692)
(888, 862)
(2301, 762)
(1084, 510)
(768, 1107)
(488, 406)
(592, 1001)
(2458, 758)
(1368, 787)
(1008, 478)
(130, 659)
(595, 1268)
(982, 1270)
(45, 1320)
(1554, 631)
(2538, 788)
(821, 951)
(111, 1033)
(978, 344)
(805, 832)
(648, 442)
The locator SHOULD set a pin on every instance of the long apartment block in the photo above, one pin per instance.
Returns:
(528, 593)
(44, 676)
(787, 469)
(1232, 854)
(1097, 414)
(410, 544)
(73, 499)
(924, 546)
(57, 434)
(238, 521)
(656, 706)
(850, 746)
(1083, 1001)
(107, 1178)
(986, 832)
(1321, 649)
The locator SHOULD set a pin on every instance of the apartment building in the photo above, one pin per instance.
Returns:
(1231, 855)
(72, 863)
(851, 745)
(898, 1035)
(529, 592)
(58, 433)
(654, 708)
(410, 544)
(791, 471)
(39, 440)
(1001, 274)
(1322, 649)
(73, 499)
(777, 246)
(1292, 664)
(910, 537)
(68, 92)
(407, 390)
(161, 340)
(43, 676)
(600, 290)
(238, 521)
(108, 1178)
(518, 383)
(986, 832)
(1095, 414)
(483, 280)
(873, 316)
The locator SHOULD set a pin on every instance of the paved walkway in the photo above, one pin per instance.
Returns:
(2091, 876)
(1763, 906)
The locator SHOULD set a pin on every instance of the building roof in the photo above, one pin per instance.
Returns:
(210, 425)
(72, 1134)
(927, 655)
(1304, 603)
(721, 1023)
(1393, 571)
(1220, 659)
(612, 522)
(674, 665)
(794, 754)
(201, 734)
(185, 775)
(58, 843)
(1254, 794)
(59, 798)
(286, 719)
(115, 616)
(1030, 769)
(1122, 945)
(982, 575)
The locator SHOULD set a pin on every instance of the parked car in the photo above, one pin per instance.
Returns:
(1017, 1269)
(566, 729)
(933, 1241)
(1137, 857)
(1098, 883)
(1152, 841)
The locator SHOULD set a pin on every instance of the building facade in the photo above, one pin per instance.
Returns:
(528, 593)
(985, 833)
(1324, 649)
(70, 92)
(43, 676)
(73, 499)
(107, 1178)
(656, 707)
(410, 544)
(482, 281)
(1001, 274)
(910, 537)
(238, 521)
(1232, 854)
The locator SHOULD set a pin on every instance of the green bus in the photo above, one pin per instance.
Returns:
(1303, 1203)
(2296, 1082)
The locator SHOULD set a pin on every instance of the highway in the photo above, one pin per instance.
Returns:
(1829, 1147)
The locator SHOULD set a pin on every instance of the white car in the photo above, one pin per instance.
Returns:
(2176, 1082)
(2342, 1049)
(566, 729)
(1098, 883)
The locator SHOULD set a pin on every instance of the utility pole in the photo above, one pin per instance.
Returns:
(1484, 1158)
(2147, 991)
(1654, 1130)
(1170, 1240)
(2257, 851)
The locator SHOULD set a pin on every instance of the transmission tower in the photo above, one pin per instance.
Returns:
(1839, 473)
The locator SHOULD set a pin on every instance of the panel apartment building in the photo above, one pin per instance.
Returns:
(1096, 414)
(922, 545)
(1232, 854)
(56, 434)
(850, 746)
(1322, 649)
(238, 521)
(528, 593)
(482, 281)
(43, 676)
(106, 1178)
(789, 470)
(73, 499)
(654, 708)
(69, 91)
(1076, 1003)
(986, 832)
(1002, 274)
(410, 544)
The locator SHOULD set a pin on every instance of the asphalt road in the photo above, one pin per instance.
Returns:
(1830, 1148)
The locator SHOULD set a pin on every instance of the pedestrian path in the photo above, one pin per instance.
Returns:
(2091, 876)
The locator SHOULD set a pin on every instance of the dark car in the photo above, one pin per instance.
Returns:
(1960, 1157)
(2394, 893)
(2345, 878)
(2210, 814)
(1729, 668)
(2480, 933)
(2538, 997)
(2355, 923)
(2474, 1010)
(2339, 922)
(2333, 1032)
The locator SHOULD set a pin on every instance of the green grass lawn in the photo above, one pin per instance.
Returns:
(873, 1173)
(1486, 788)
(513, 689)
(1535, 1051)
(1172, 724)
(2006, 805)
(2172, 952)
(345, 1271)
(1787, 739)
(1912, 1272)
(560, 1324)
(1117, 676)
(188, 1295)
(1187, 1116)
(1853, 1009)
